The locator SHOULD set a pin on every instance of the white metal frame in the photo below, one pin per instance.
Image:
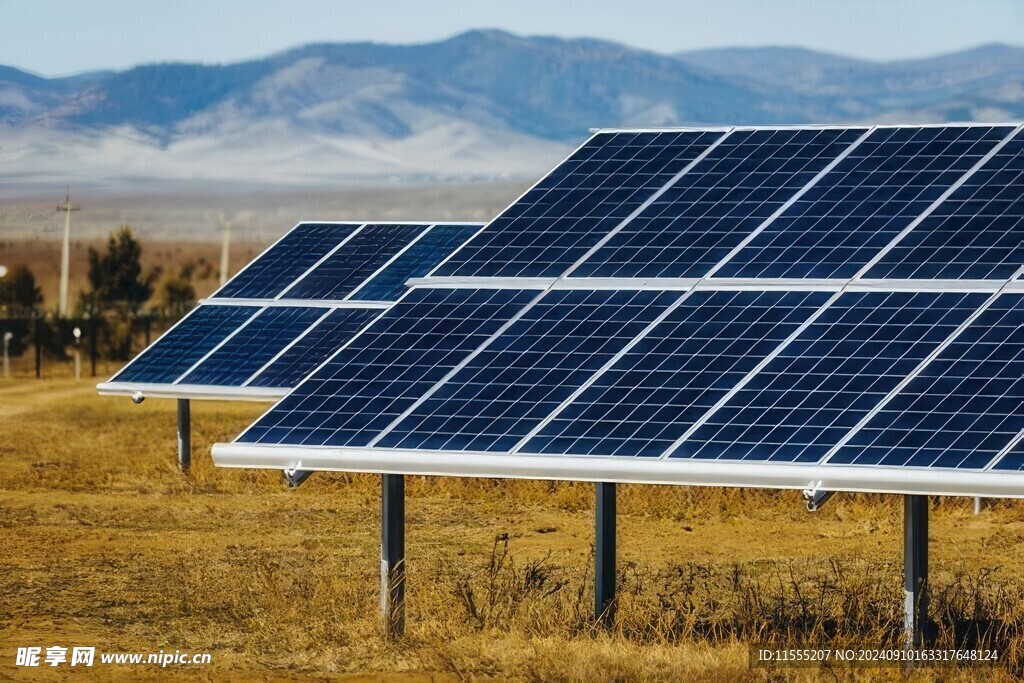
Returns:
(864, 479)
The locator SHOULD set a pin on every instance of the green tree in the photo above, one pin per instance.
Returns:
(177, 295)
(115, 277)
(19, 292)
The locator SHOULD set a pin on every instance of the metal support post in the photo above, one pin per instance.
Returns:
(392, 554)
(184, 434)
(604, 553)
(915, 573)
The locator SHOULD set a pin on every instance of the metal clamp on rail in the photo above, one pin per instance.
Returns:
(815, 496)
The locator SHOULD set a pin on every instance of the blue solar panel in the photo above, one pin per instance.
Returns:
(253, 346)
(191, 339)
(537, 363)
(313, 348)
(659, 389)
(962, 409)
(555, 223)
(827, 379)
(295, 253)
(418, 260)
(841, 223)
(355, 395)
(977, 233)
(347, 268)
(1014, 459)
(718, 203)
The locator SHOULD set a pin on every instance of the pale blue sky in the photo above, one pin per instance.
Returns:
(53, 37)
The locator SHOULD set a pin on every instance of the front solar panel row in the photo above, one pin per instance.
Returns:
(524, 374)
(962, 409)
(568, 212)
(833, 374)
(886, 182)
(977, 233)
(672, 376)
(411, 347)
(717, 203)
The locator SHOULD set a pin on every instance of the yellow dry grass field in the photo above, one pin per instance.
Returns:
(104, 543)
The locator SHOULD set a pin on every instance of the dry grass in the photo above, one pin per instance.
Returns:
(104, 543)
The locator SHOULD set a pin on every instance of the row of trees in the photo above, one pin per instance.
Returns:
(119, 298)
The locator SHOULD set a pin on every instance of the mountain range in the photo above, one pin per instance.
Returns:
(480, 105)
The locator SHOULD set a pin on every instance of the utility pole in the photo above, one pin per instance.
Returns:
(65, 253)
(225, 250)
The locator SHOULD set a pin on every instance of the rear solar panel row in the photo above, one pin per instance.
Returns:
(330, 262)
(225, 346)
(688, 389)
(236, 346)
(843, 197)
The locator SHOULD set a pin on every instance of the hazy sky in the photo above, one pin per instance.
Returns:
(60, 37)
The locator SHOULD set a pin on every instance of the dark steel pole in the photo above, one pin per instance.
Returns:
(392, 554)
(915, 572)
(184, 434)
(604, 553)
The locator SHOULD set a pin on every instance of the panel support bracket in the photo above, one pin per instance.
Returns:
(294, 478)
(392, 555)
(816, 497)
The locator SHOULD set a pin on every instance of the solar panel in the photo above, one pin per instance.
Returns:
(286, 260)
(718, 202)
(815, 391)
(822, 308)
(266, 340)
(347, 268)
(512, 384)
(568, 212)
(656, 391)
(356, 394)
(841, 223)
(313, 348)
(977, 233)
(252, 345)
(197, 334)
(416, 261)
(962, 409)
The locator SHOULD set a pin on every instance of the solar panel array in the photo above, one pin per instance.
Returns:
(286, 312)
(771, 297)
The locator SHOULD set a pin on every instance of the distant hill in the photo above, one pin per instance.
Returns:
(482, 104)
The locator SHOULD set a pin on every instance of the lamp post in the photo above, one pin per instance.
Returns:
(8, 336)
(77, 332)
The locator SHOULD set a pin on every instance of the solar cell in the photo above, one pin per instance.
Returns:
(823, 382)
(656, 391)
(977, 233)
(416, 261)
(568, 212)
(718, 202)
(348, 267)
(246, 351)
(411, 347)
(511, 385)
(314, 347)
(845, 220)
(295, 253)
(963, 407)
(184, 344)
